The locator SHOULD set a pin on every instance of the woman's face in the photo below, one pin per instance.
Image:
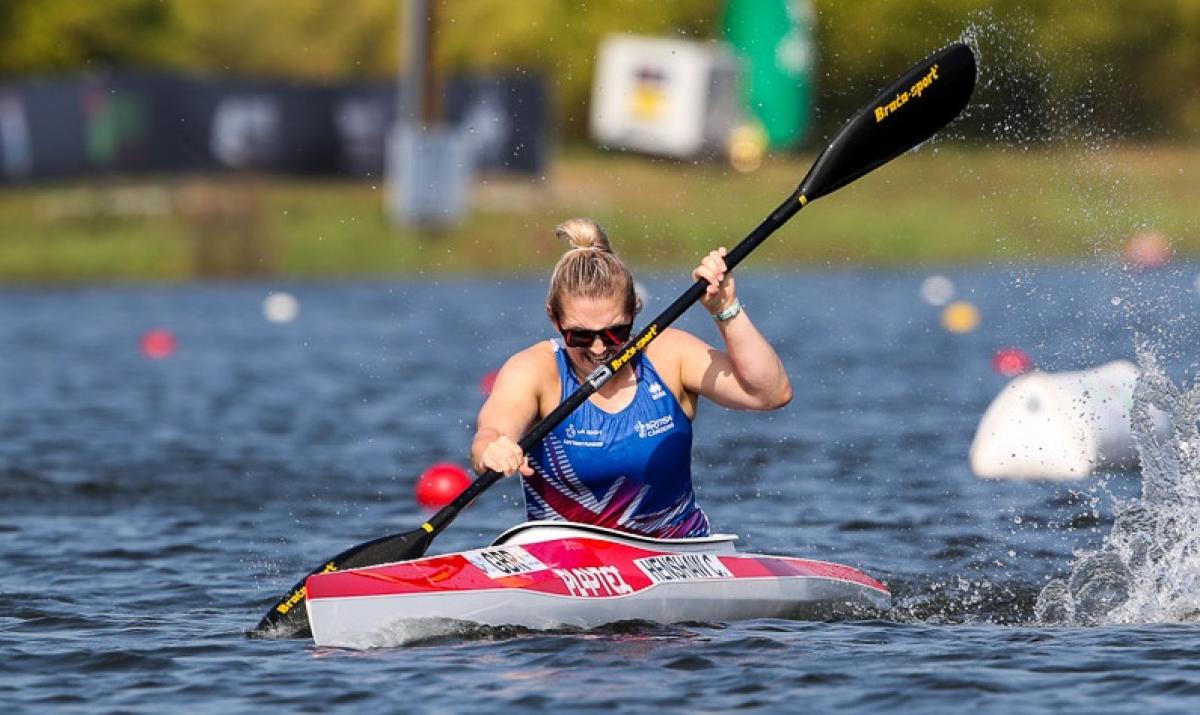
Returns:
(605, 318)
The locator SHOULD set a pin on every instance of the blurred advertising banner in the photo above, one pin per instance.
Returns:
(505, 120)
(133, 123)
(670, 97)
(689, 99)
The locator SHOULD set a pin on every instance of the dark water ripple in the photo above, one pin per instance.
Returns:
(150, 511)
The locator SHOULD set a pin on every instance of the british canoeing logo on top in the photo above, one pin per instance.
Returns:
(656, 391)
(654, 427)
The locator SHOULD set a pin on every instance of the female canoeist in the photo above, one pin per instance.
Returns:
(623, 459)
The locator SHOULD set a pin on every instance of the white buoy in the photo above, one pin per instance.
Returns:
(1059, 425)
(937, 290)
(642, 293)
(281, 307)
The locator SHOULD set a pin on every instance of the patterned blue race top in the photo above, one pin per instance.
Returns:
(629, 470)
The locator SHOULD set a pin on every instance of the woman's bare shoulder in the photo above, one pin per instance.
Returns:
(536, 359)
(673, 348)
(528, 374)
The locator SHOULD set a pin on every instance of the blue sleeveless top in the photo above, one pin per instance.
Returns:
(631, 470)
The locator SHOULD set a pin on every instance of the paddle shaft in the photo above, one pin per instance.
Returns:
(604, 373)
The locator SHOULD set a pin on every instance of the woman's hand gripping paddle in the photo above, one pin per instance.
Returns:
(911, 110)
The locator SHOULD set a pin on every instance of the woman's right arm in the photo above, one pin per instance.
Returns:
(506, 415)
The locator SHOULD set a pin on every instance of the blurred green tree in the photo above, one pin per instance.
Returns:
(1126, 66)
(43, 36)
(301, 39)
(1132, 66)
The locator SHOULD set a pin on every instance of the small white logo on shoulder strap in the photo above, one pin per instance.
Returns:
(656, 391)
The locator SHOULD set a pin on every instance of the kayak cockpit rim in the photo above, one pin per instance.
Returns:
(532, 532)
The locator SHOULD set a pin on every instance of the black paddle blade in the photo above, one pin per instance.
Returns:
(922, 101)
(288, 618)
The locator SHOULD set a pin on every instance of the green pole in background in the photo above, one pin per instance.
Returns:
(773, 41)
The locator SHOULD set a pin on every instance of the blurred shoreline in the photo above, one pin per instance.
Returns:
(944, 204)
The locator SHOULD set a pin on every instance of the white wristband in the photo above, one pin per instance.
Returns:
(729, 313)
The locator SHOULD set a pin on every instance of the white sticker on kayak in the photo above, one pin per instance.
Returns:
(682, 567)
(504, 561)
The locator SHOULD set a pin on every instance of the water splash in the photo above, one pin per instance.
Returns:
(1148, 568)
(961, 601)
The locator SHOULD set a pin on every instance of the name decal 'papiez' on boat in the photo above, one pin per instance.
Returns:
(593, 581)
(682, 567)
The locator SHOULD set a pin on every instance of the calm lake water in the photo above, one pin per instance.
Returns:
(151, 510)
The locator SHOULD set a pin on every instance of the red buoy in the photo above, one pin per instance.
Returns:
(158, 344)
(1011, 362)
(1147, 249)
(440, 483)
(487, 382)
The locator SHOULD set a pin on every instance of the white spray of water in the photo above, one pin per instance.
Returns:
(1148, 568)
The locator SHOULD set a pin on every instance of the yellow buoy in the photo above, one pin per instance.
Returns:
(747, 145)
(960, 317)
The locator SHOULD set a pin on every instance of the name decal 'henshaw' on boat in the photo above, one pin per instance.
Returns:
(682, 567)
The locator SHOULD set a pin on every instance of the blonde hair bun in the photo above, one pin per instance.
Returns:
(589, 269)
(583, 234)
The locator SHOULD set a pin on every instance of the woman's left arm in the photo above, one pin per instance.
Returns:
(748, 374)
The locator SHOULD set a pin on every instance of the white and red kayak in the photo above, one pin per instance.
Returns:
(547, 575)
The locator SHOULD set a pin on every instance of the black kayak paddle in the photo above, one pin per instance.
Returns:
(911, 110)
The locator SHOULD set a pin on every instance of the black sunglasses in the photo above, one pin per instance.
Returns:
(612, 336)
